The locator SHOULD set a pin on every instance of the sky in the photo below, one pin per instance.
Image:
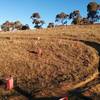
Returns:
(21, 10)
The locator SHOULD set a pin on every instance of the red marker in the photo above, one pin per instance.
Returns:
(65, 98)
(9, 83)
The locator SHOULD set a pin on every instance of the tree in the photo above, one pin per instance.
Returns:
(36, 20)
(77, 21)
(51, 25)
(7, 26)
(38, 23)
(17, 25)
(4, 28)
(62, 17)
(75, 16)
(84, 21)
(25, 27)
(35, 15)
(93, 14)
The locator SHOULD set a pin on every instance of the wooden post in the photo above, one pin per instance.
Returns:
(40, 52)
(38, 38)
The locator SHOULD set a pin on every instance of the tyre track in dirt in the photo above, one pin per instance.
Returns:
(76, 91)
(96, 81)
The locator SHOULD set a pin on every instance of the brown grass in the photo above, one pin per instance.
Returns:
(64, 59)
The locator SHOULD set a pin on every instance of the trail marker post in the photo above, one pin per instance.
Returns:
(40, 52)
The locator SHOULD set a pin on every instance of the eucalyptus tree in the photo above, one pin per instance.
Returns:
(38, 23)
(62, 18)
(75, 16)
(93, 9)
(51, 25)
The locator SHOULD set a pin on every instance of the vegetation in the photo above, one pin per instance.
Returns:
(7, 26)
(75, 16)
(60, 46)
(62, 17)
(93, 16)
(17, 25)
(25, 27)
(31, 57)
(36, 20)
(51, 25)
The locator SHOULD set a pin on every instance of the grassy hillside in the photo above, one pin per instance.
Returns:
(51, 61)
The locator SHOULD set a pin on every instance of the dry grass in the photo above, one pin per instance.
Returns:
(63, 59)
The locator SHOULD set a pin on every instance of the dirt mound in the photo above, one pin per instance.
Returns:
(48, 67)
